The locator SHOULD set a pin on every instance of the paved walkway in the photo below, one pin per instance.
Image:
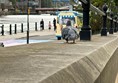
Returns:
(11, 40)
(35, 63)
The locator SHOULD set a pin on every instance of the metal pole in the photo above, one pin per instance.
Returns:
(15, 29)
(27, 21)
(10, 29)
(21, 27)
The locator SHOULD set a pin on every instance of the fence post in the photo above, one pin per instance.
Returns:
(111, 24)
(36, 26)
(21, 27)
(2, 31)
(85, 33)
(104, 28)
(15, 29)
(10, 29)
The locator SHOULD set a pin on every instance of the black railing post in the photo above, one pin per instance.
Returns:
(85, 33)
(36, 26)
(115, 24)
(111, 30)
(21, 27)
(10, 29)
(104, 28)
(15, 31)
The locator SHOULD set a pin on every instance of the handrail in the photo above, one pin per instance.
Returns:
(84, 1)
(77, 1)
(95, 9)
(92, 7)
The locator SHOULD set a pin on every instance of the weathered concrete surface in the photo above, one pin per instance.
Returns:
(116, 81)
(32, 33)
(57, 62)
(109, 73)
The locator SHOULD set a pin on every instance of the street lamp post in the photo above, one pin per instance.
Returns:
(27, 21)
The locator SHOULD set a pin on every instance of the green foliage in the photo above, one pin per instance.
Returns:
(46, 3)
(95, 19)
(116, 2)
(13, 1)
(95, 22)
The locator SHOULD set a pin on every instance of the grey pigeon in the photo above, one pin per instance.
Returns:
(70, 33)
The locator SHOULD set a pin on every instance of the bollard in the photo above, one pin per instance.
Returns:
(2, 31)
(85, 33)
(111, 24)
(21, 27)
(104, 29)
(115, 24)
(36, 26)
(10, 30)
(15, 31)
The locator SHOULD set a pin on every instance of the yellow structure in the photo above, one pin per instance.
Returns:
(63, 17)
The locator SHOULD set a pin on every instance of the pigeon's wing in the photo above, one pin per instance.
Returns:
(64, 32)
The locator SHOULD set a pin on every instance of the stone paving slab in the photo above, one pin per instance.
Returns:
(34, 37)
(32, 33)
(51, 62)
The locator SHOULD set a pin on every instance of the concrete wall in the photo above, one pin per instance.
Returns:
(100, 66)
(109, 73)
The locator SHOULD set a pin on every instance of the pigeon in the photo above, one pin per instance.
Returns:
(70, 33)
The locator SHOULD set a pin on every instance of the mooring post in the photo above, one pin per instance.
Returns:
(15, 29)
(36, 26)
(10, 29)
(21, 27)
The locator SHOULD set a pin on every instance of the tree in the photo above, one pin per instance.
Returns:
(13, 1)
(95, 18)
(46, 3)
(116, 2)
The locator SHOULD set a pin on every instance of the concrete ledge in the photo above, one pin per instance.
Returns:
(58, 62)
(89, 68)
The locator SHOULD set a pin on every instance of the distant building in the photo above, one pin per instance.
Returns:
(4, 1)
(22, 4)
(5, 4)
(61, 3)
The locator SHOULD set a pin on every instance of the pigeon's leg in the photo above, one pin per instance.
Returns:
(73, 41)
(66, 40)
